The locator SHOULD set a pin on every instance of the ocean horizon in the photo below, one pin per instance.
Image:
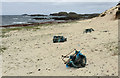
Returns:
(19, 8)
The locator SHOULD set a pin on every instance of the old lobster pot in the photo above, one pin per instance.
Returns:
(76, 60)
(59, 39)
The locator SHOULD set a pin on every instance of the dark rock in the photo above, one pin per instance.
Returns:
(107, 71)
(105, 31)
(118, 14)
(96, 49)
(59, 14)
(39, 69)
(38, 59)
(72, 13)
(73, 16)
(118, 8)
(37, 15)
(94, 38)
(112, 73)
(62, 18)
(30, 73)
(39, 18)
(24, 14)
(20, 39)
(103, 15)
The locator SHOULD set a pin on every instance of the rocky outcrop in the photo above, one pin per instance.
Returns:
(37, 15)
(24, 14)
(59, 14)
(40, 18)
(72, 16)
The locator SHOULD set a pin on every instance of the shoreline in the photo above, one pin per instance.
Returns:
(33, 24)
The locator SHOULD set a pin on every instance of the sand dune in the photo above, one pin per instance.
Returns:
(32, 52)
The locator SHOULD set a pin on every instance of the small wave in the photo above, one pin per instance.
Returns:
(29, 19)
(19, 23)
(26, 16)
(15, 18)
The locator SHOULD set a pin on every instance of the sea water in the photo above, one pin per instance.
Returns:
(12, 11)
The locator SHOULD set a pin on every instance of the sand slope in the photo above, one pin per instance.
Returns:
(32, 52)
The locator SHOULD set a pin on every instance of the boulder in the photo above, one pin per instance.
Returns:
(118, 14)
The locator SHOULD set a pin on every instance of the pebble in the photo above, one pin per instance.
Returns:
(20, 39)
(30, 72)
(92, 50)
(112, 73)
(39, 69)
(107, 71)
(92, 63)
(94, 38)
(89, 72)
(96, 49)
(48, 69)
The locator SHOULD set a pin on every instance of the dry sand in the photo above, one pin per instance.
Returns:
(32, 52)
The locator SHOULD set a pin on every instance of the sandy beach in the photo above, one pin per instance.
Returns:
(33, 53)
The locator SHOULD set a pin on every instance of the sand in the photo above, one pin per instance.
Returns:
(33, 53)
